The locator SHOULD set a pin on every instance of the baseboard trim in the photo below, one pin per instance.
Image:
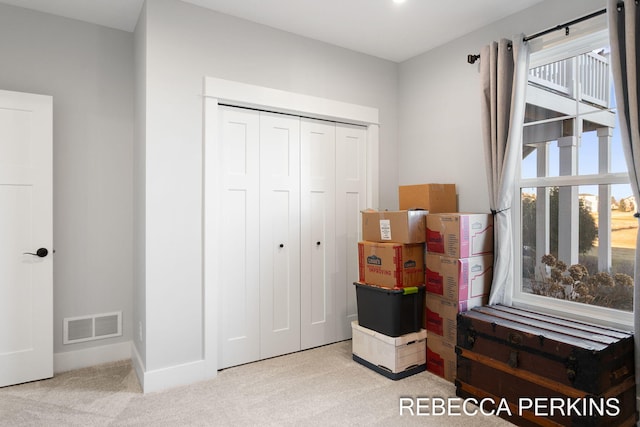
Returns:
(138, 364)
(173, 376)
(77, 359)
(150, 381)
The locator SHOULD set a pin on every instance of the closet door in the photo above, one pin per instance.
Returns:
(318, 313)
(239, 237)
(279, 234)
(351, 185)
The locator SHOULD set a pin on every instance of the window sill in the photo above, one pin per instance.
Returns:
(577, 311)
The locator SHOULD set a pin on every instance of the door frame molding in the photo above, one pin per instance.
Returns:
(220, 91)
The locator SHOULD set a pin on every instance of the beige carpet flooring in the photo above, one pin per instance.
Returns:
(319, 387)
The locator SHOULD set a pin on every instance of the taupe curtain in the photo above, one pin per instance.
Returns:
(503, 69)
(623, 34)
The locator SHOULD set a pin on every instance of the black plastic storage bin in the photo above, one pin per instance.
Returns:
(392, 312)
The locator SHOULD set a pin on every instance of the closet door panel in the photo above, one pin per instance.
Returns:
(280, 281)
(318, 321)
(239, 279)
(350, 201)
(279, 234)
(320, 277)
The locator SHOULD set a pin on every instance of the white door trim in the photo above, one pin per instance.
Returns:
(220, 91)
(250, 96)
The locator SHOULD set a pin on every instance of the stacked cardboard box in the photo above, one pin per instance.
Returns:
(459, 270)
(435, 198)
(391, 253)
(392, 240)
(389, 337)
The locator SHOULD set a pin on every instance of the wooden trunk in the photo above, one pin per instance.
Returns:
(578, 368)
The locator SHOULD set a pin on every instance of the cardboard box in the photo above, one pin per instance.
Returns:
(394, 226)
(460, 235)
(459, 279)
(391, 354)
(441, 357)
(391, 265)
(441, 315)
(435, 198)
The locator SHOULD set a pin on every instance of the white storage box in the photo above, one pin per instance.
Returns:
(393, 357)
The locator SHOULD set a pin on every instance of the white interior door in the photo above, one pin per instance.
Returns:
(317, 304)
(351, 186)
(239, 254)
(279, 234)
(26, 225)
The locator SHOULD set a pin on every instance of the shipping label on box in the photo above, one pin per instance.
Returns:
(460, 235)
(459, 279)
(441, 314)
(391, 265)
(394, 226)
(395, 354)
(432, 197)
(441, 357)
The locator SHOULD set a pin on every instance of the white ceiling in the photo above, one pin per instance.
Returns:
(380, 28)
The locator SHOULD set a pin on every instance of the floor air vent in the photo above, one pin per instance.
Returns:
(94, 327)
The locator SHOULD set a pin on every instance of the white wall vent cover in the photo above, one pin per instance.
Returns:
(94, 327)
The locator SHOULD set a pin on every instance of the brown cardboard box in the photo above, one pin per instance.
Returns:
(441, 357)
(391, 265)
(394, 226)
(460, 235)
(441, 315)
(459, 279)
(432, 197)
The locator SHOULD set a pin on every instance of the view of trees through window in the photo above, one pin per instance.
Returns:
(548, 275)
(578, 230)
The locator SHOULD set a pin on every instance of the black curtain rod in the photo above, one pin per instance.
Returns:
(471, 59)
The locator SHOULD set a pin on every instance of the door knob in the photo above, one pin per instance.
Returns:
(281, 245)
(42, 252)
(317, 243)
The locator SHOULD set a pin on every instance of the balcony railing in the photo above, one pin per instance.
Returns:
(585, 78)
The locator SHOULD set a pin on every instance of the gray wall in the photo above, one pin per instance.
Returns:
(89, 72)
(440, 134)
(185, 43)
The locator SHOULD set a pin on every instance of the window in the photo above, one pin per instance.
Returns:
(575, 220)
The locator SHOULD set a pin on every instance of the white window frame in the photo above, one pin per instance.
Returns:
(592, 35)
